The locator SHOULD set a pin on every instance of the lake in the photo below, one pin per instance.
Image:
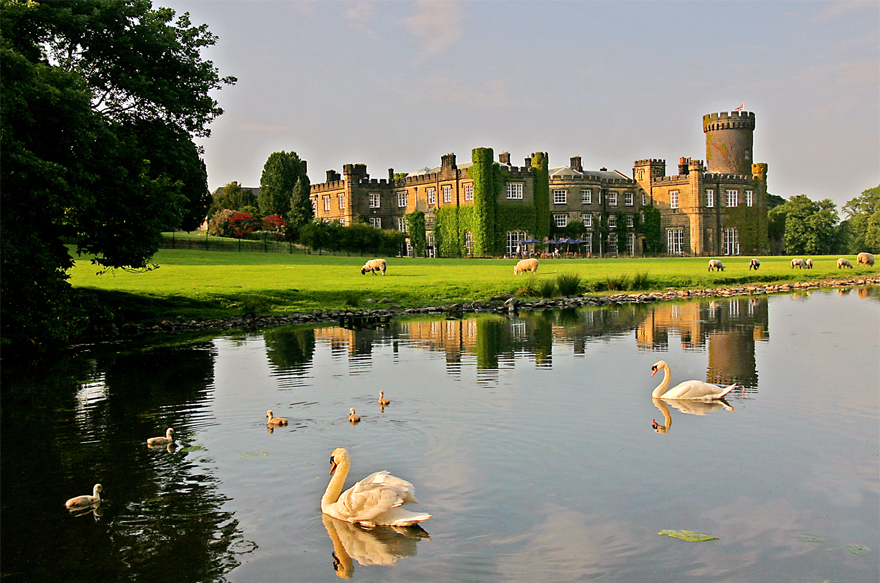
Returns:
(533, 441)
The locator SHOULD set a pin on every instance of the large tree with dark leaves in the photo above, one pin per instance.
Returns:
(101, 102)
(282, 184)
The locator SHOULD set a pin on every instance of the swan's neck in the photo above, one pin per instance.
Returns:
(337, 482)
(661, 388)
(96, 494)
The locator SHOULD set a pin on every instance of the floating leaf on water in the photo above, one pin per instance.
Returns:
(249, 453)
(858, 549)
(688, 535)
(811, 538)
(192, 448)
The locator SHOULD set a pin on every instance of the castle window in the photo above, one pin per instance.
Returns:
(643, 198)
(612, 242)
(588, 220)
(327, 203)
(431, 194)
(675, 241)
(376, 222)
(673, 199)
(561, 220)
(447, 194)
(514, 241)
(631, 244)
(514, 190)
(401, 199)
(628, 199)
(710, 198)
(629, 221)
(612, 221)
(560, 196)
(750, 198)
(315, 206)
(587, 196)
(401, 224)
(612, 199)
(731, 198)
(341, 198)
(588, 242)
(731, 241)
(469, 191)
(375, 200)
(469, 242)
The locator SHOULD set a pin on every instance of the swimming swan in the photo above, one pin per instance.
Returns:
(374, 500)
(276, 421)
(161, 440)
(382, 400)
(83, 502)
(696, 390)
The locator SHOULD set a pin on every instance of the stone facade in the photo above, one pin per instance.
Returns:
(715, 211)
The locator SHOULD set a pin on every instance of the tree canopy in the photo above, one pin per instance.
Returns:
(864, 221)
(809, 227)
(101, 102)
(281, 173)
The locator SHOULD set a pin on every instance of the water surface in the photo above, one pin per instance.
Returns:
(531, 440)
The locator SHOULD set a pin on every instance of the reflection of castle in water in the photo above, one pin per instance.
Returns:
(726, 328)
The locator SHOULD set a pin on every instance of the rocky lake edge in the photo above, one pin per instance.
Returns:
(385, 309)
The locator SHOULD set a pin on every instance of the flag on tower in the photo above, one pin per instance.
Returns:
(740, 107)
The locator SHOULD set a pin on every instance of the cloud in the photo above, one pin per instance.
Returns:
(359, 15)
(834, 10)
(434, 25)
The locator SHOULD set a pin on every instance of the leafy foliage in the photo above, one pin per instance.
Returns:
(275, 225)
(357, 238)
(281, 174)
(415, 225)
(541, 173)
(242, 224)
(650, 229)
(232, 196)
(863, 221)
(811, 228)
(219, 224)
(301, 211)
(101, 100)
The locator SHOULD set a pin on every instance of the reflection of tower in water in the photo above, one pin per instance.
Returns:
(740, 322)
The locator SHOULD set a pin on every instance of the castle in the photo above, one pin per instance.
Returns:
(488, 208)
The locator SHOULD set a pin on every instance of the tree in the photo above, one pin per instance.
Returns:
(280, 175)
(301, 210)
(863, 221)
(101, 101)
(243, 223)
(810, 228)
(232, 196)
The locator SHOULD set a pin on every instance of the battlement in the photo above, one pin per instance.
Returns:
(648, 162)
(729, 121)
(728, 178)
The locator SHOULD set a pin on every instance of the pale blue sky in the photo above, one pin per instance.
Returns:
(398, 84)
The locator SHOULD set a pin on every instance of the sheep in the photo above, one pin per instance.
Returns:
(526, 265)
(715, 264)
(799, 263)
(374, 265)
(754, 264)
(809, 264)
(865, 258)
(843, 262)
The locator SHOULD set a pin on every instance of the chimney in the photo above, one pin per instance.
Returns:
(332, 176)
(390, 175)
(528, 162)
(504, 158)
(683, 166)
(576, 164)
(448, 161)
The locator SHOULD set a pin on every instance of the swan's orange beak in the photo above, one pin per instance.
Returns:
(654, 371)
(332, 465)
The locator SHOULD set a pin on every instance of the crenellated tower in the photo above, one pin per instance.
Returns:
(729, 139)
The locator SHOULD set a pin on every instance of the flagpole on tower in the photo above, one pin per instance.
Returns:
(740, 108)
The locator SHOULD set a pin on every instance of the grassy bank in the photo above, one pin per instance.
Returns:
(212, 284)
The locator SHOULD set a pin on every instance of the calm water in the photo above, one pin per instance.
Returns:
(530, 440)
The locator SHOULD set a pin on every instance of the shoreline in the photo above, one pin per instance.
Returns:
(502, 304)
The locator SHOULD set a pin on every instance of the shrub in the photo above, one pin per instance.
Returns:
(275, 226)
(547, 288)
(219, 223)
(568, 284)
(242, 223)
(640, 281)
(530, 289)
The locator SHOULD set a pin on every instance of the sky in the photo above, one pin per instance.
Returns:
(398, 84)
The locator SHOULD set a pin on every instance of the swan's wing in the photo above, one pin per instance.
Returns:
(383, 477)
(368, 499)
(693, 390)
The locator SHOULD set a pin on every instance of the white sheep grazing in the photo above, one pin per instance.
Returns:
(754, 264)
(809, 263)
(715, 264)
(799, 263)
(843, 262)
(374, 265)
(865, 258)
(526, 265)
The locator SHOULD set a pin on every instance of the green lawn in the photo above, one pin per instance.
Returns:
(208, 284)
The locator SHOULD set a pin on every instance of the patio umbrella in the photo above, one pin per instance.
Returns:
(531, 241)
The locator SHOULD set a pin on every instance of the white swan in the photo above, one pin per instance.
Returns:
(696, 390)
(374, 500)
(161, 440)
(85, 502)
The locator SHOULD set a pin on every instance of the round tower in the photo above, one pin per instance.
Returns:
(729, 138)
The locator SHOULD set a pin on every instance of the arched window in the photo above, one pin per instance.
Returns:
(514, 240)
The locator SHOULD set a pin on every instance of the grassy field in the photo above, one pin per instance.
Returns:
(213, 284)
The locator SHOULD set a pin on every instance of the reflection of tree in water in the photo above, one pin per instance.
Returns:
(290, 348)
(162, 516)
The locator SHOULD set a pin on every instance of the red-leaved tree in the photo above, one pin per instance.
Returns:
(276, 226)
(242, 223)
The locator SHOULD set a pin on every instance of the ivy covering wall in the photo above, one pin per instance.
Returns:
(541, 173)
(415, 225)
(483, 172)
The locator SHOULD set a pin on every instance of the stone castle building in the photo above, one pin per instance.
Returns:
(487, 208)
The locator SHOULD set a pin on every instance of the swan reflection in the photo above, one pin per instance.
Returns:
(689, 407)
(381, 545)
